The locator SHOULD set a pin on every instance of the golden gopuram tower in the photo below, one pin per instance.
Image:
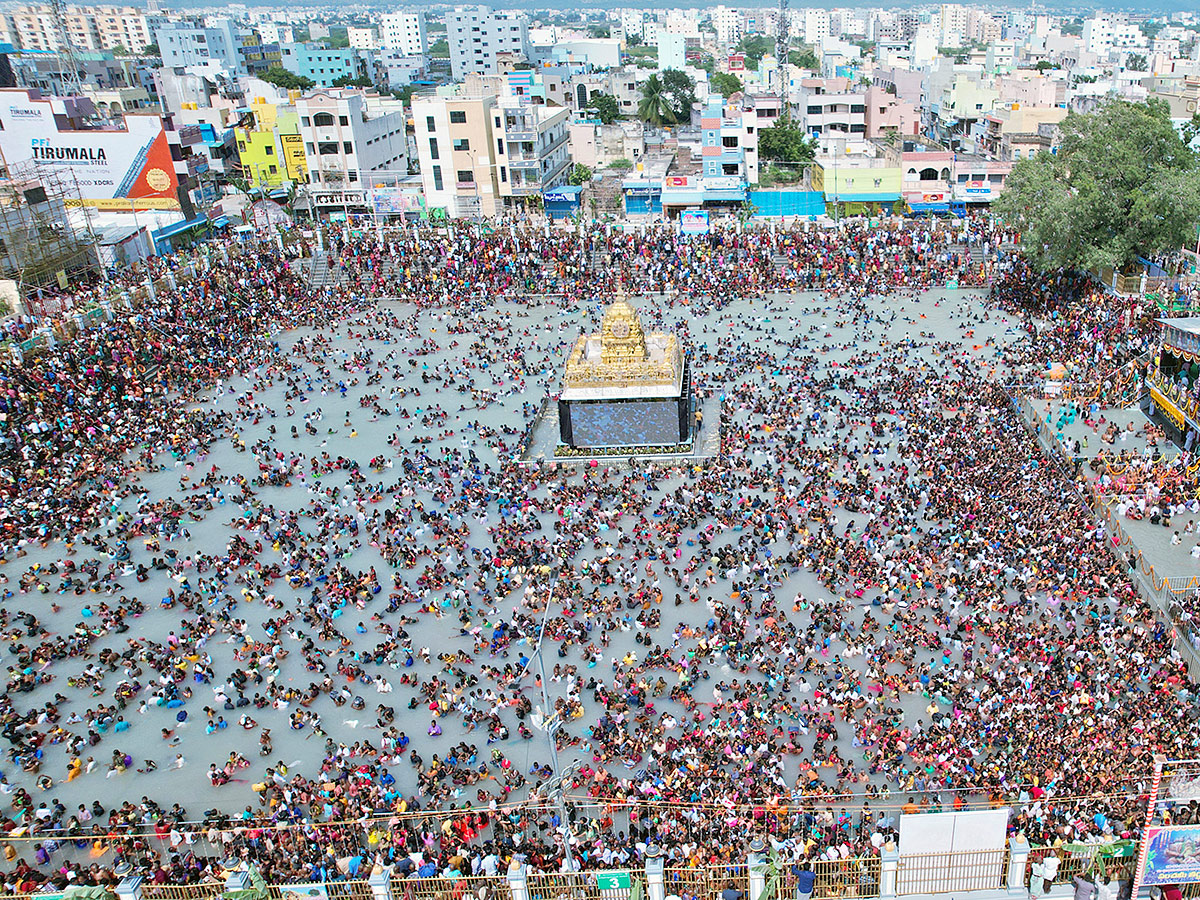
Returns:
(625, 388)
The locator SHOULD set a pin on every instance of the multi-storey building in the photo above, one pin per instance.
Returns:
(362, 38)
(729, 141)
(728, 24)
(816, 26)
(480, 37)
(323, 64)
(87, 28)
(349, 134)
(457, 149)
(189, 43)
(536, 149)
(404, 32)
(833, 106)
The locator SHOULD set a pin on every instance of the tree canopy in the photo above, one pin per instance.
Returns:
(754, 47)
(724, 83)
(579, 174)
(606, 107)
(1122, 184)
(804, 59)
(785, 141)
(681, 93)
(654, 108)
(290, 81)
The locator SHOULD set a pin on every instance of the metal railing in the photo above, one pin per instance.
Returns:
(473, 887)
(947, 873)
(201, 891)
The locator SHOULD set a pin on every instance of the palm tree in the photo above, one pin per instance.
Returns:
(655, 107)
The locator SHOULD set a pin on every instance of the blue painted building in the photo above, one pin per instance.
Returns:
(322, 64)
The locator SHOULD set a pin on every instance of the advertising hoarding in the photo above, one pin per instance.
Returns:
(111, 167)
(294, 160)
(693, 221)
(1172, 854)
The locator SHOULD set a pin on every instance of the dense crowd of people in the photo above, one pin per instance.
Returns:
(879, 599)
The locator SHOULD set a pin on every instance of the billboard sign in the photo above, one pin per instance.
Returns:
(294, 161)
(396, 202)
(693, 221)
(133, 164)
(1172, 854)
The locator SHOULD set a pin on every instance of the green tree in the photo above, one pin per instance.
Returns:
(1122, 184)
(1136, 62)
(1191, 129)
(580, 174)
(655, 106)
(119, 50)
(151, 50)
(599, 31)
(621, 164)
(290, 81)
(681, 93)
(804, 59)
(361, 81)
(725, 84)
(1044, 65)
(785, 141)
(606, 106)
(440, 49)
(754, 47)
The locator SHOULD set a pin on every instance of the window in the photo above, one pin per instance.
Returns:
(465, 176)
(458, 117)
(503, 174)
(857, 108)
(327, 148)
(429, 124)
(814, 110)
(500, 146)
(347, 147)
(353, 175)
(343, 120)
(433, 150)
(729, 142)
(462, 144)
(323, 120)
(305, 121)
(272, 169)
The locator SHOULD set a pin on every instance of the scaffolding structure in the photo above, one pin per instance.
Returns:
(41, 243)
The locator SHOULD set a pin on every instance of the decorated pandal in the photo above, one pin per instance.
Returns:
(625, 390)
(1173, 377)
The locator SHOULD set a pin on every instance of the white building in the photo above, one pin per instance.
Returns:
(348, 135)
(728, 24)
(672, 50)
(479, 36)
(953, 24)
(274, 33)
(405, 32)
(816, 26)
(632, 23)
(362, 38)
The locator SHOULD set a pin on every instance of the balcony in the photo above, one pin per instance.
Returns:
(515, 136)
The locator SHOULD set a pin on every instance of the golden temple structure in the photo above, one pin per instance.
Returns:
(623, 358)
